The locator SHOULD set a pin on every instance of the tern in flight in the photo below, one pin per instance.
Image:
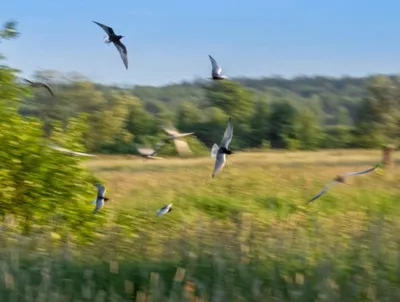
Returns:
(100, 199)
(40, 84)
(116, 40)
(216, 70)
(220, 151)
(181, 146)
(164, 210)
(150, 153)
(341, 179)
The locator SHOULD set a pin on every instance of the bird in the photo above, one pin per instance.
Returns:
(100, 199)
(220, 151)
(149, 153)
(55, 147)
(341, 179)
(116, 40)
(164, 210)
(181, 146)
(40, 84)
(216, 70)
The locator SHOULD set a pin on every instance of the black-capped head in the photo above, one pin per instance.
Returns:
(340, 178)
(170, 209)
(106, 198)
(225, 151)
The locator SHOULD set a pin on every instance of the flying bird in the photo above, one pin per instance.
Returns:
(40, 84)
(100, 199)
(150, 153)
(216, 70)
(181, 146)
(70, 151)
(340, 179)
(116, 40)
(164, 210)
(220, 152)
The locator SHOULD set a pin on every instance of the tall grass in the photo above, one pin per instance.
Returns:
(244, 236)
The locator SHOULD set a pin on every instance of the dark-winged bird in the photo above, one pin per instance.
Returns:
(340, 179)
(116, 40)
(40, 84)
(181, 146)
(150, 153)
(216, 70)
(220, 151)
(164, 210)
(100, 199)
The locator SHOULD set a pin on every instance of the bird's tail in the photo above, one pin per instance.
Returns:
(214, 150)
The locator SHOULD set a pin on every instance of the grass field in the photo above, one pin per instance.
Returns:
(245, 235)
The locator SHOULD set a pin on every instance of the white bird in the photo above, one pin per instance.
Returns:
(181, 146)
(340, 179)
(150, 152)
(55, 147)
(220, 152)
(100, 199)
(164, 210)
(216, 70)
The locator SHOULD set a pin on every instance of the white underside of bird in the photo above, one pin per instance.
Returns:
(164, 210)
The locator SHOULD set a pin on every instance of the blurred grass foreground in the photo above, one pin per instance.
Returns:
(244, 236)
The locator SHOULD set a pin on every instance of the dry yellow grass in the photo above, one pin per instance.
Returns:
(136, 181)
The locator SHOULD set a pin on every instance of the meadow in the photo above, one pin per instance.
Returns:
(246, 235)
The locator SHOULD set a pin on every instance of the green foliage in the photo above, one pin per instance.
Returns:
(40, 186)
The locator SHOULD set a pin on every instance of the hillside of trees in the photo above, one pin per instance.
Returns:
(300, 113)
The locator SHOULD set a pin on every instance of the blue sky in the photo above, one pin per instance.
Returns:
(169, 41)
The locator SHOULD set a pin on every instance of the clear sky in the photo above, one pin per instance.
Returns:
(169, 40)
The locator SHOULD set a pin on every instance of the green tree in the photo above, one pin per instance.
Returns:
(282, 123)
(308, 131)
(39, 185)
(232, 98)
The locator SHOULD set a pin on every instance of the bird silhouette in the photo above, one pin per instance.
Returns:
(116, 40)
(40, 84)
(340, 179)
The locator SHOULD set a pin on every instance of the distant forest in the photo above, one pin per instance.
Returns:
(300, 113)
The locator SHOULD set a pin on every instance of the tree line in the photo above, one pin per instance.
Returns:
(304, 113)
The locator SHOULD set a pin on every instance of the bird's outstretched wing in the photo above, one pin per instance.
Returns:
(122, 52)
(362, 172)
(101, 190)
(182, 147)
(40, 84)
(227, 135)
(70, 151)
(99, 205)
(214, 150)
(216, 69)
(106, 28)
(219, 163)
(170, 130)
(323, 191)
